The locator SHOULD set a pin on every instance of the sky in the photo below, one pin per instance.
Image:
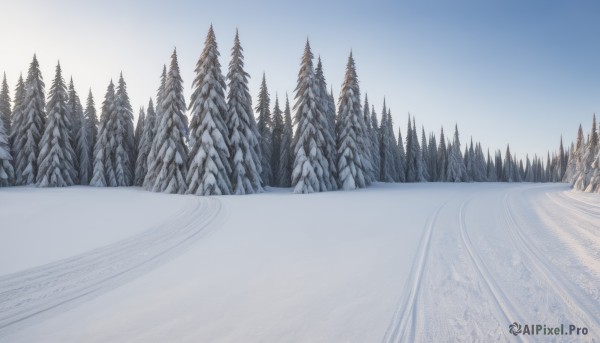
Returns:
(511, 71)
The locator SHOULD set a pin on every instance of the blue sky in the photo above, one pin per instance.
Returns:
(518, 72)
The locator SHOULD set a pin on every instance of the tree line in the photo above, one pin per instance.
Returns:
(223, 148)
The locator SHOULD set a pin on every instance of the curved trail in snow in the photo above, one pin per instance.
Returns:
(35, 292)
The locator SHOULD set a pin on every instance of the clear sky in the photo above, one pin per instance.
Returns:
(511, 71)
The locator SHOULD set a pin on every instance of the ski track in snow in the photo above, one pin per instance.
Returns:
(453, 271)
(405, 316)
(28, 295)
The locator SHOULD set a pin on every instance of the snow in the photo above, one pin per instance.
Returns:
(393, 262)
(73, 220)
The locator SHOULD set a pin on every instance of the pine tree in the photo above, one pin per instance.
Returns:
(574, 163)
(387, 168)
(442, 157)
(490, 169)
(209, 169)
(139, 130)
(169, 165)
(75, 116)
(328, 109)
(354, 167)
(122, 138)
(264, 126)
(5, 112)
(145, 144)
(103, 173)
(244, 149)
(424, 156)
(148, 180)
(401, 158)
(456, 166)
(55, 159)
(376, 138)
(583, 177)
(277, 136)
(396, 165)
(310, 171)
(27, 139)
(432, 162)
(509, 167)
(86, 138)
(372, 140)
(17, 117)
(7, 174)
(285, 156)
(479, 165)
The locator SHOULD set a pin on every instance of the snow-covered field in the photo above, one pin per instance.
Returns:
(403, 262)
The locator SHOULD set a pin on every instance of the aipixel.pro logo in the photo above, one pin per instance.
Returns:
(546, 330)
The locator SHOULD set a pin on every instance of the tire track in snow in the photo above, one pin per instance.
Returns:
(35, 292)
(566, 290)
(404, 321)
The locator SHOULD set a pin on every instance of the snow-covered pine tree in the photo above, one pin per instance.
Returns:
(372, 140)
(490, 169)
(401, 167)
(479, 165)
(27, 139)
(170, 162)
(277, 135)
(139, 130)
(509, 167)
(594, 183)
(244, 148)
(575, 158)
(583, 177)
(148, 180)
(122, 139)
(145, 144)
(75, 116)
(286, 156)
(5, 112)
(86, 140)
(264, 126)
(470, 161)
(17, 117)
(328, 109)
(528, 170)
(387, 168)
(442, 158)
(560, 163)
(209, 169)
(375, 138)
(103, 173)
(411, 156)
(456, 166)
(432, 166)
(55, 160)
(499, 166)
(353, 165)
(7, 174)
(395, 153)
(424, 156)
(310, 171)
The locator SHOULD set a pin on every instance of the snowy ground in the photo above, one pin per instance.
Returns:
(409, 262)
